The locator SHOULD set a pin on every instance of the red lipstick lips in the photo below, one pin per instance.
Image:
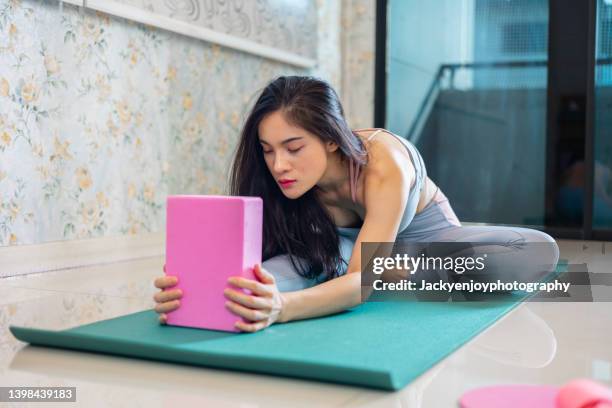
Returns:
(286, 182)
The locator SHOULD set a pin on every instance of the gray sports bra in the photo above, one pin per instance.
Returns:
(414, 193)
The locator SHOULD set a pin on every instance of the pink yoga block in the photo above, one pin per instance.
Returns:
(208, 239)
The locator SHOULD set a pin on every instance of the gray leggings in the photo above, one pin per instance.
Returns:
(511, 254)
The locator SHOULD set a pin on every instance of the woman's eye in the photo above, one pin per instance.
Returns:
(289, 150)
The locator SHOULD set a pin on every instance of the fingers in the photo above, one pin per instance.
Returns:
(163, 318)
(259, 306)
(250, 284)
(264, 275)
(255, 307)
(255, 302)
(249, 314)
(167, 307)
(164, 282)
(168, 295)
(251, 327)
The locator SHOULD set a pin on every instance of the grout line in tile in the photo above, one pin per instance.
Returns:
(76, 292)
(84, 266)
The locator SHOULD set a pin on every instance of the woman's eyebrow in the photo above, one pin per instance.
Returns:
(291, 139)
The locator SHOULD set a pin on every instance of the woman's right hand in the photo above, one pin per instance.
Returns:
(167, 300)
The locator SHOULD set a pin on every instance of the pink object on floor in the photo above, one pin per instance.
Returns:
(581, 393)
(510, 396)
(208, 239)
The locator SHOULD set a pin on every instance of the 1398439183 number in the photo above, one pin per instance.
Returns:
(12, 394)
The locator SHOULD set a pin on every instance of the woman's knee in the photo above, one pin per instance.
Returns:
(545, 246)
(539, 253)
(515, 253)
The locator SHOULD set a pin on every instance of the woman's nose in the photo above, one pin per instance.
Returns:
(280, 164)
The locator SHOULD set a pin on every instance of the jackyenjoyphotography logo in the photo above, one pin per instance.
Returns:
(476, 271)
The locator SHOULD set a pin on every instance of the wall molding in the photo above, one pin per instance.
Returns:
(157, 20)
(18, 260)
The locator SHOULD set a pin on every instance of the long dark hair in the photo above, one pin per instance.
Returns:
(301, 228)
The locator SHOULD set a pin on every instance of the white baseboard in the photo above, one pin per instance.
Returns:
(19, 260)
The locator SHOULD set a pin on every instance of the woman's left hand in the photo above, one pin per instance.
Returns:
(262, 308)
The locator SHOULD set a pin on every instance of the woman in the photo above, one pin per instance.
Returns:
(326, 189)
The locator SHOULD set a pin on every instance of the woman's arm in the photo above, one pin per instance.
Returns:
(387, 185)
(329, 297)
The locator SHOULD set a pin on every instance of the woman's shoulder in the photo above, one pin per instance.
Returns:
(385, 151)
(370, 131)
(367, 133)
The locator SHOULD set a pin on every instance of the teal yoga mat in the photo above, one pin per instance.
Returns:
(376, 344)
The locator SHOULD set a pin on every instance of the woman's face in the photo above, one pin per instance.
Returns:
(296, 158)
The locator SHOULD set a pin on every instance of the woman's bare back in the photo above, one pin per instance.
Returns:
(347, 213)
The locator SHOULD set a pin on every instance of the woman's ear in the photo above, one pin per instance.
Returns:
(331, 146)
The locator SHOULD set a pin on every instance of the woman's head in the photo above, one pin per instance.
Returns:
(295, 127)
(295, 158)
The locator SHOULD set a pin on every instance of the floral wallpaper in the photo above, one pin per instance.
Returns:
(358, 38)
(101, 118)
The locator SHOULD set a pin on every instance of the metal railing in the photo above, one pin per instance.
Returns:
(450, 70)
